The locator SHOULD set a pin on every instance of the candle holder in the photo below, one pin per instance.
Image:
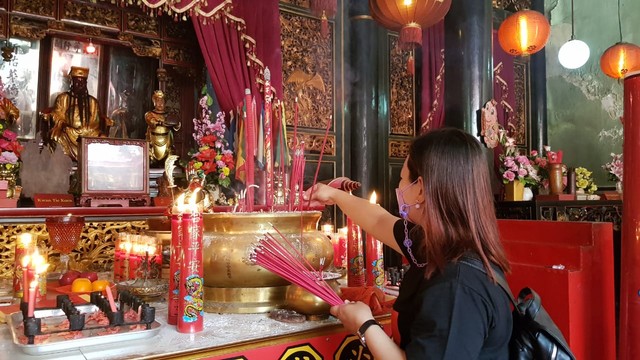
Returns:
(64, 234)
(32, 327)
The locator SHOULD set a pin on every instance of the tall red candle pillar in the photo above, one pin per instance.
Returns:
(191, 294)
(174, 268)
(355, 256)
(629, 346)
(375, 258)
(375, 262)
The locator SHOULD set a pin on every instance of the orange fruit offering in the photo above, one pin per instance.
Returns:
(81, 285)
(99, 285)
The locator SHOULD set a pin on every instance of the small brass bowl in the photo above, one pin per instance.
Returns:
(148, 290)
(304, 302)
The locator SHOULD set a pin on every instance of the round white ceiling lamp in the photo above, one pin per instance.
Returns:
(574, 53)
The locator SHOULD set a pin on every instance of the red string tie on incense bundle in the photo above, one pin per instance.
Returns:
(273, 256)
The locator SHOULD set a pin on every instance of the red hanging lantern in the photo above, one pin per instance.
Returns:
(524, 33)
(620, 59)
(409, 17)
(325, 10)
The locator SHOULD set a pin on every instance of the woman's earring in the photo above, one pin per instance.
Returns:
(417, 206)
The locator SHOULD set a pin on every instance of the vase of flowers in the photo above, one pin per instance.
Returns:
(615, 170)
(212, 160)
(516, 169)
(584, 182)
(10, 161)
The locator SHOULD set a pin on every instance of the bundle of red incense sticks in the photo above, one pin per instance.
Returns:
(273, 256)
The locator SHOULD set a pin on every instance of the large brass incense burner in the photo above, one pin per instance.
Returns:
(232, 284)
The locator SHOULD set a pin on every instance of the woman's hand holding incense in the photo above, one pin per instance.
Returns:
(352, 314)
(321, 194)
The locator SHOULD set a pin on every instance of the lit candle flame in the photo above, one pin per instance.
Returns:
(179, 207)
(373, 198)
(25, 261)
(25, 239)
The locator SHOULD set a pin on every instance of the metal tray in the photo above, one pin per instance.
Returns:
(90, 336)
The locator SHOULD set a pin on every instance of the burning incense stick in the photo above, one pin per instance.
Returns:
(273, 256)
(324, 142)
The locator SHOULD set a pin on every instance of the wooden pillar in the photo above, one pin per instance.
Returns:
(538, 66)
(629, 345)
(468, 63)
(363, 102)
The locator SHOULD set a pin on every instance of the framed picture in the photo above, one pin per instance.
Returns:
(114, 168)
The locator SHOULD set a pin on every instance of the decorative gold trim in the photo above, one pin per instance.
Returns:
(435, 104)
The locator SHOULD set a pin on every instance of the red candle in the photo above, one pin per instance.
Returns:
(375, 259)
(24, 248)
(191, 287)
(112, 303)
(32, 299)
(342, 247)
(24, 266)
(375, 262)
(355, 256)
(174, 268)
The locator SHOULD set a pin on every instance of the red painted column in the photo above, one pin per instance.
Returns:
(629, 347)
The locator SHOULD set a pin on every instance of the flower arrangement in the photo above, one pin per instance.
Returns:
(584, 181)
(10, 148)
(614, 167)
(211, 159)
(515, 166)
(542, 160)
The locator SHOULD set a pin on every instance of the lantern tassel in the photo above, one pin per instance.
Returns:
(324, 25)
(411, 66)
(410, 35)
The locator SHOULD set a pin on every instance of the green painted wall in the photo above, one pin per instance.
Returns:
(584, 104)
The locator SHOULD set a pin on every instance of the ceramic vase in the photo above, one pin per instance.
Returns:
(514, 190)
(555, 179)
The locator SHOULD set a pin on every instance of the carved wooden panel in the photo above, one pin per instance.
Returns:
(90, 13)
(27, 29)
(4, 22)
(177, 54)
(521, 89)
(46, 8)
(94, 251)
(313, 143)
(399, 148)
(3, 4)
(141, 24)
(307, 64)
(401, 87)
(512, 5)
(300, 3)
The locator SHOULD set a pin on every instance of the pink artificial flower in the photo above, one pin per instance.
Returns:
(534, 152)
(9, 135)
(522, 172)
(509, 175)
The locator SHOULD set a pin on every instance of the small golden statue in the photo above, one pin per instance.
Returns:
(75, 114)
(160, 127)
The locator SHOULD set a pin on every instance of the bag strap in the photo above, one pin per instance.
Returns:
(477, 264)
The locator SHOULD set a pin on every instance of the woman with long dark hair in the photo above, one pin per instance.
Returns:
(446, 309)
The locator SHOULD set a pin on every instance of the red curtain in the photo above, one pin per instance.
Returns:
(237, 41)
(432, 111)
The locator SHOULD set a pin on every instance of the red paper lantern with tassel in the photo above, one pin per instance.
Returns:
(524, 33)
(325, 10)
(620, 59)
(409, 17)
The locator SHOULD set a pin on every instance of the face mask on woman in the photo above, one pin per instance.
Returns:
(403, 208)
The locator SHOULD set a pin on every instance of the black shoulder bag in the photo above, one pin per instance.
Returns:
(534, 336)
